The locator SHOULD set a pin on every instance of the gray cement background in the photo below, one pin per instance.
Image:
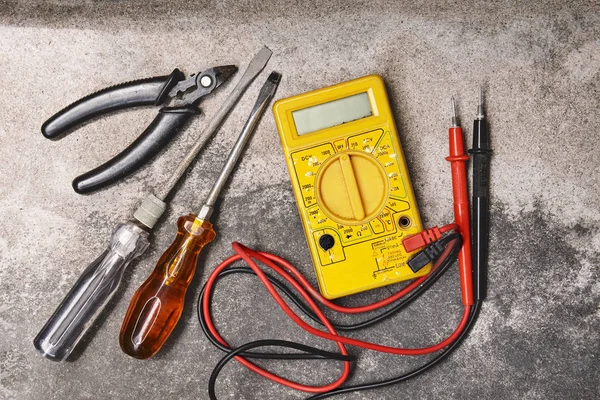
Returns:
(538, 333)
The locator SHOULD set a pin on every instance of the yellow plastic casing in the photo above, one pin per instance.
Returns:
(351, 184)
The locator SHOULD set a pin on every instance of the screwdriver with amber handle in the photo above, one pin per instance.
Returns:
(157, 305)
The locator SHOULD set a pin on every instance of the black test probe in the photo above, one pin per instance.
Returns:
(480, 155)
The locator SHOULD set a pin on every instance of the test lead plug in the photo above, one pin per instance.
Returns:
(427, 255)
(428, 236)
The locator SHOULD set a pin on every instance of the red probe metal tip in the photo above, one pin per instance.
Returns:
(454, 117)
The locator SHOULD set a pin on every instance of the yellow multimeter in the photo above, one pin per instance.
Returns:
(351, 185)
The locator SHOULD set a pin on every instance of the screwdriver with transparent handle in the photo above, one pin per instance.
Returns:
(157, 305)
(91, 293)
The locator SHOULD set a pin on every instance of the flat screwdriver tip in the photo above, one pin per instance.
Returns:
(274, 77)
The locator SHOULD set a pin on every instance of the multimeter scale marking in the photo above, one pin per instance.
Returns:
(370, 142)
(312, 158)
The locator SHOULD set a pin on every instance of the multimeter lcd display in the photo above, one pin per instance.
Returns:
(332, 113)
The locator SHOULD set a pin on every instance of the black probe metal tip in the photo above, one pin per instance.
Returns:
(480, 111)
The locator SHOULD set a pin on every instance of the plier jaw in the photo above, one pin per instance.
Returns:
(178, 96)
(192, 89)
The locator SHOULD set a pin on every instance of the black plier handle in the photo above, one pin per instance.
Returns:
(152, 91)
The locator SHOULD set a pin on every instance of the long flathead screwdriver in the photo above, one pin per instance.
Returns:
(157, 305)
(100, 280)
(480, 154)
(458, 160)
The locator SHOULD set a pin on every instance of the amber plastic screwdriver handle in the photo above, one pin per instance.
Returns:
(157, 305)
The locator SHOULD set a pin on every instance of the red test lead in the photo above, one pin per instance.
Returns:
(458, 159)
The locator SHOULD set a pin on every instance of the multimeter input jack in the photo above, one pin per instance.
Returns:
(404, 222)
(326, 242)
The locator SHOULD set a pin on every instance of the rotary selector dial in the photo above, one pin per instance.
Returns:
(351, 188)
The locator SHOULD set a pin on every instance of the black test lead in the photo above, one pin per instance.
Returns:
(481, 154)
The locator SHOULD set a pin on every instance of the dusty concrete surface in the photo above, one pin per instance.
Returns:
(538, 333)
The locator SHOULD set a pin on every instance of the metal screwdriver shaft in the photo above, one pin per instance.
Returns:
(256, 65)
(157, 305)
(154, 204)
(265, 95)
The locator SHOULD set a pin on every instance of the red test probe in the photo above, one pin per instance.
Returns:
(460, 192)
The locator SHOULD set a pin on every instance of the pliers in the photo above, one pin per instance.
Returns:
(178, 96)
